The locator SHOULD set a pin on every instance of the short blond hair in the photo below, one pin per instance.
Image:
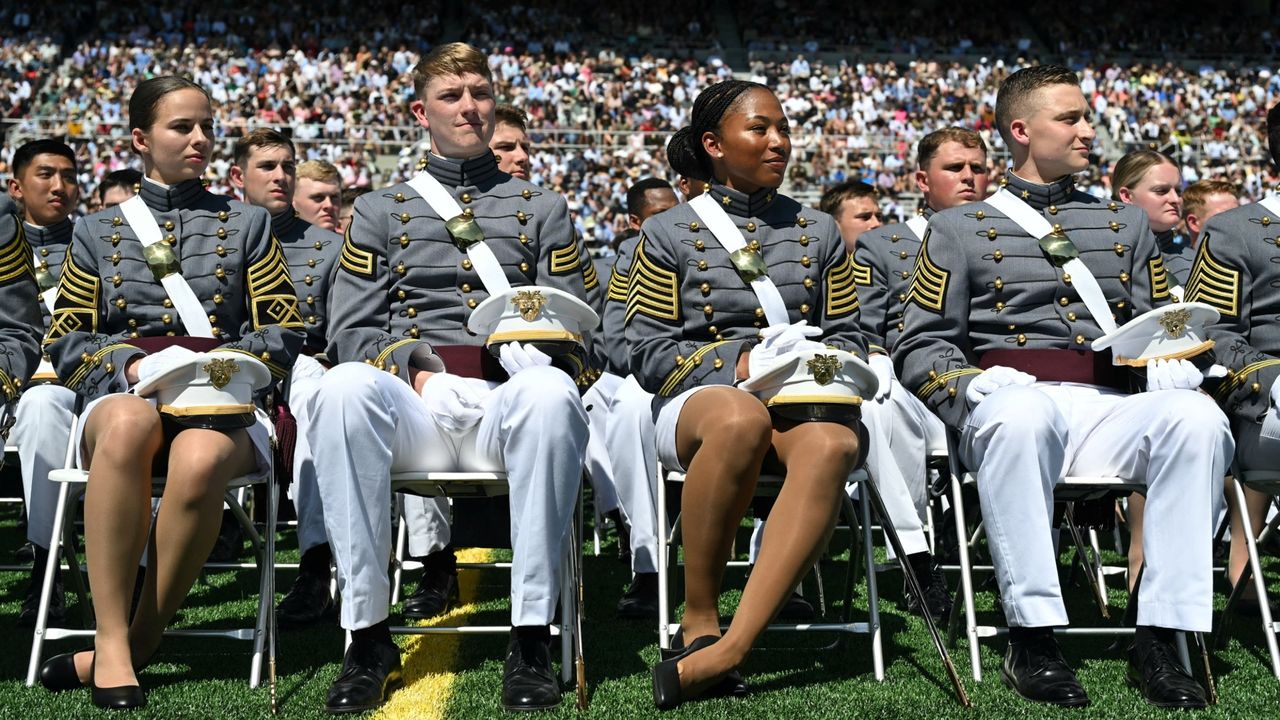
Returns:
(320, 171)
(1197, 194)
(453, 58)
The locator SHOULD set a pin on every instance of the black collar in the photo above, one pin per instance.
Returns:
(58, 233)
(281, 223)
(741, 204)
(453, 173)
(1040, 196)
(162, 199)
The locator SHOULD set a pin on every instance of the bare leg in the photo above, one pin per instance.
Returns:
(1137, 503)
(121, 438)
(1256, 505)
(818, 458)
(722, 437)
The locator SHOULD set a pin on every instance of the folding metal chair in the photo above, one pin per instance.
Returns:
(1071, 490)
(860, 532)
(73, 485)
(1267, 481)
(461, 485)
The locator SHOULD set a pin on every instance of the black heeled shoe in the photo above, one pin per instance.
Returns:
(667, 694)
(121, 697)
(58, 673)
(731, 685)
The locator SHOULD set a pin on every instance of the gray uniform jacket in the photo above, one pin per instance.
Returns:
(19, 314)
(1237, 270)
(1178, 257)
(50, 244)
(882, 263)
(312, 255)
(108, 296)
(403, 286)
(690, 316)
(614, 318)
(981, 284)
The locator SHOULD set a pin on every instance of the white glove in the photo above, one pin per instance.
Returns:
(994, 378)
(779, 339)
(882, 366)
(452, 402)
(1172, 375)
(514, 357)
(162, 362)
(1275, 394)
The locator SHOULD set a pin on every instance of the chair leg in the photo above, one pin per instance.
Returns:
(1082, 555)
(966, 577)
(269, 569)
(46, 588)
(1260, 585)
(664, 580)
(913, 586)
(402, 540)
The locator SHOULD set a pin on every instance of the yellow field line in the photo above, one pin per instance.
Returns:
(429, 660)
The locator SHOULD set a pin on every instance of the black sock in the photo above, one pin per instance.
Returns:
(442, 560)
(380, 633)
(315, 561)
(541, 633)
(1019, 635)
(1149, 633)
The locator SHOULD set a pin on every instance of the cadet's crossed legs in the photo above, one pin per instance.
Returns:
(1024, 439)
(368, 424)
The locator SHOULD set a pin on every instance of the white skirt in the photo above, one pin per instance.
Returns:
(665, 428)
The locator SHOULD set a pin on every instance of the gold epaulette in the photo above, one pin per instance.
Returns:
(842, 295)
(928, 281)
(1214, 282)
(652, 290)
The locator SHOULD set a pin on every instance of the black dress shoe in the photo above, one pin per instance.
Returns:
(937, 597)
(667, 694)
(1036, 670)
(437, 591)
(31, 605)
(528, 682)
(307, 603)
(58, 673)
(25, 554)
(640, 602)
(731, 685)
(125, 697)
(1154, 668)
(370, 671)
(797, 610)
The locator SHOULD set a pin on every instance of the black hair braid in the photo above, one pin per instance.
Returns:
(708, 112)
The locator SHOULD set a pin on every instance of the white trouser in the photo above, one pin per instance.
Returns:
(600, 470)
(304, 381)
(629, 436)
(367, 424)
(912, 430)
(428, 519)
(883, 469)
(41, 431)
(1024, 440)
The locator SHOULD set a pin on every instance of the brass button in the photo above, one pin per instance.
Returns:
(524, 239)
(400, 269)
(134, 335)
(217, 298)
(902, 297)
(1066, 278)
(116, 279)
(804, 241)
(999, 284)
(759, 312)
(1022, 339)
(980, 215)
(526, 194)
(404, 239)
(1079, 339)
(802, 222)
(1053, 209)
(1115, 226)
(217, 332)
(213, 319)
(171, 240)
(399, 197)
(472, 304)
(754, 246)
(719, 337)
(311, 319)
(991, 233)
(413, 332)
(1072, 316)
(311, 263)
(524, 267)
(220, 274)
(166, 318)
(702, 264)
(804, 308)
(521, 217)
(223, 216)
(1124, 277)
(705, 288)
(466, 264)
(699, 245)
(1266, 220)
(805, 261)
(121, 303)
(311, 299)
(394, 369)
(894, 238)
(110, 367)
(719, 363)
(1119, 249)
(319, 245)
(115, 238)
(1256, 388)
(221, 251)
(999, 306)
(167, 303)
(902, 255)
(411, 312)
(265, 356)
(997, 256)
(679, 360)
(466, 197)
(468, 212)
(1120, 305)
(694, 226)
(466, 287)
(404, 218)
(115, 258)
(808, 283)
(222, 233)
(171, 334)
(44, 252)
(707, 308)
(713, 330)
(1063, 301)
(308, 279)
(401, 294)
(1112, 206)
(115, 222)
(951, 392)
(751, 227)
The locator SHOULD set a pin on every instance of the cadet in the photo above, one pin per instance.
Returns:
(951, 171)
(408, 393)
(1151, 181)
(995, 340)
(117, 187)
(264, 170)
(173, 266)
(1237, 257)
(44, 182)
(318, 196)
(510, 143)
(692, 325)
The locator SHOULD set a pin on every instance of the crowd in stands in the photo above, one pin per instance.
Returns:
(604, 87)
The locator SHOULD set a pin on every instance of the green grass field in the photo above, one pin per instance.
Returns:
(790, 677)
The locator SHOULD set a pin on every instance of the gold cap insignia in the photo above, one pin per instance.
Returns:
(1174, 322)
(823, 368)
(529, 303)
(220, 371)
